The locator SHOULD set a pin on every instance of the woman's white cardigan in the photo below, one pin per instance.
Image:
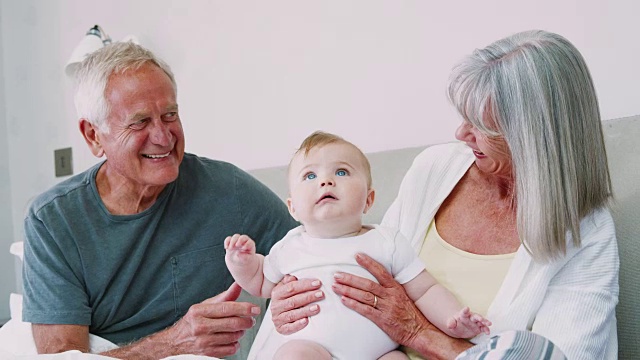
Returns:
(570, 301)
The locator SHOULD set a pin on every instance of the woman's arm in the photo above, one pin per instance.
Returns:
(585, 292)
(395, 313)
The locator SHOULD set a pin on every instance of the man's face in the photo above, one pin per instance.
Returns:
(145, 142)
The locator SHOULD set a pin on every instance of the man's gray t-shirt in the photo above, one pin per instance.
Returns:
(128, 276)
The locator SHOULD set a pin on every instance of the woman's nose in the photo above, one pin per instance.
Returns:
(463, 132)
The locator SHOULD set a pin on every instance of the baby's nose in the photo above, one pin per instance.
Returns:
(327, 182)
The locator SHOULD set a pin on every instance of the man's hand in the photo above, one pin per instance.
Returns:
(212, 328)
(215, 326)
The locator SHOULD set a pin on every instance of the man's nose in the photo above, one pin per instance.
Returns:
(160, 133)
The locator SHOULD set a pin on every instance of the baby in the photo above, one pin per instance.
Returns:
(330, 189)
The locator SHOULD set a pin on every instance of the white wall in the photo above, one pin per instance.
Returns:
(256, 77)
(7, 282)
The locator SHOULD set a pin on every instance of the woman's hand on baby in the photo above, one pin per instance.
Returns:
(293, 302)
(386, 303)
(240, 248)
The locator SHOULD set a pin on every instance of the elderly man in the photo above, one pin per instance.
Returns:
(134, 244)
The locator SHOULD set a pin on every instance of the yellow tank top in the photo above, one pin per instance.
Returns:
(473, 279)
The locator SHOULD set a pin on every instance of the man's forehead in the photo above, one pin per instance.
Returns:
(138, 78)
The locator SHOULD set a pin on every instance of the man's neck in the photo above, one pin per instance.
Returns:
(122, 197)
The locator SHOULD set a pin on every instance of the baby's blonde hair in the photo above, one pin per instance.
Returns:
(320, 139)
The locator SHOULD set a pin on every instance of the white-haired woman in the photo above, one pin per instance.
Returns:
(513, 219)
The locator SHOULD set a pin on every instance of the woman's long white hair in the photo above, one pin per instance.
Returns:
(538, 90)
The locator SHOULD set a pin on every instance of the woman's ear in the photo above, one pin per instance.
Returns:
(292, 210)
(371, 195)
(91, 136)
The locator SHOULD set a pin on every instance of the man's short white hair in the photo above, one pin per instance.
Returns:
(93, 74)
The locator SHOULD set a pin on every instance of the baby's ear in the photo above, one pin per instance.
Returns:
(371, 195)
(292, 210)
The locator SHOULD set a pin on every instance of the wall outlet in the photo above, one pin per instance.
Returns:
(63, 162)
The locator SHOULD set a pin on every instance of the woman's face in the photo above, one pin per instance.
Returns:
(492, 154)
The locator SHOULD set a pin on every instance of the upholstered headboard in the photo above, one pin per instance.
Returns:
(623, 152)
(621, 137)
(387, 170)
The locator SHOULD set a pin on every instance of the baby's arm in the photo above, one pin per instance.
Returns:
(442, 308)
(246, 266)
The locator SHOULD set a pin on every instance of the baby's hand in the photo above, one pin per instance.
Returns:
(240, 248)
(467, 324)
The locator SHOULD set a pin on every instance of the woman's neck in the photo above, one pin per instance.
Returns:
(500, 188)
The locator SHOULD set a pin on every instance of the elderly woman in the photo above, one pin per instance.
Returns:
(513, 219)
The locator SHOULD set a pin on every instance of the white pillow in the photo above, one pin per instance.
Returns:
(15, 335)
(15, 306)
(17, 249)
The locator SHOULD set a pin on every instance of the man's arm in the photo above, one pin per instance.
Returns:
(52, 339)
(211, 328)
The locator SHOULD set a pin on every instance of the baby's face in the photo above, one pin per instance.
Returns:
(328, 188)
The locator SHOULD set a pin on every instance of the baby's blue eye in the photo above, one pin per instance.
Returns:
(341, 172)
(310, 176)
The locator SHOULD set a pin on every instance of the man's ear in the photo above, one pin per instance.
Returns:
(292, 210)
(371, 195)
(91, 136)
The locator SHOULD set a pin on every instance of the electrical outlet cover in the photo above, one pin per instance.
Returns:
(63, 162)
